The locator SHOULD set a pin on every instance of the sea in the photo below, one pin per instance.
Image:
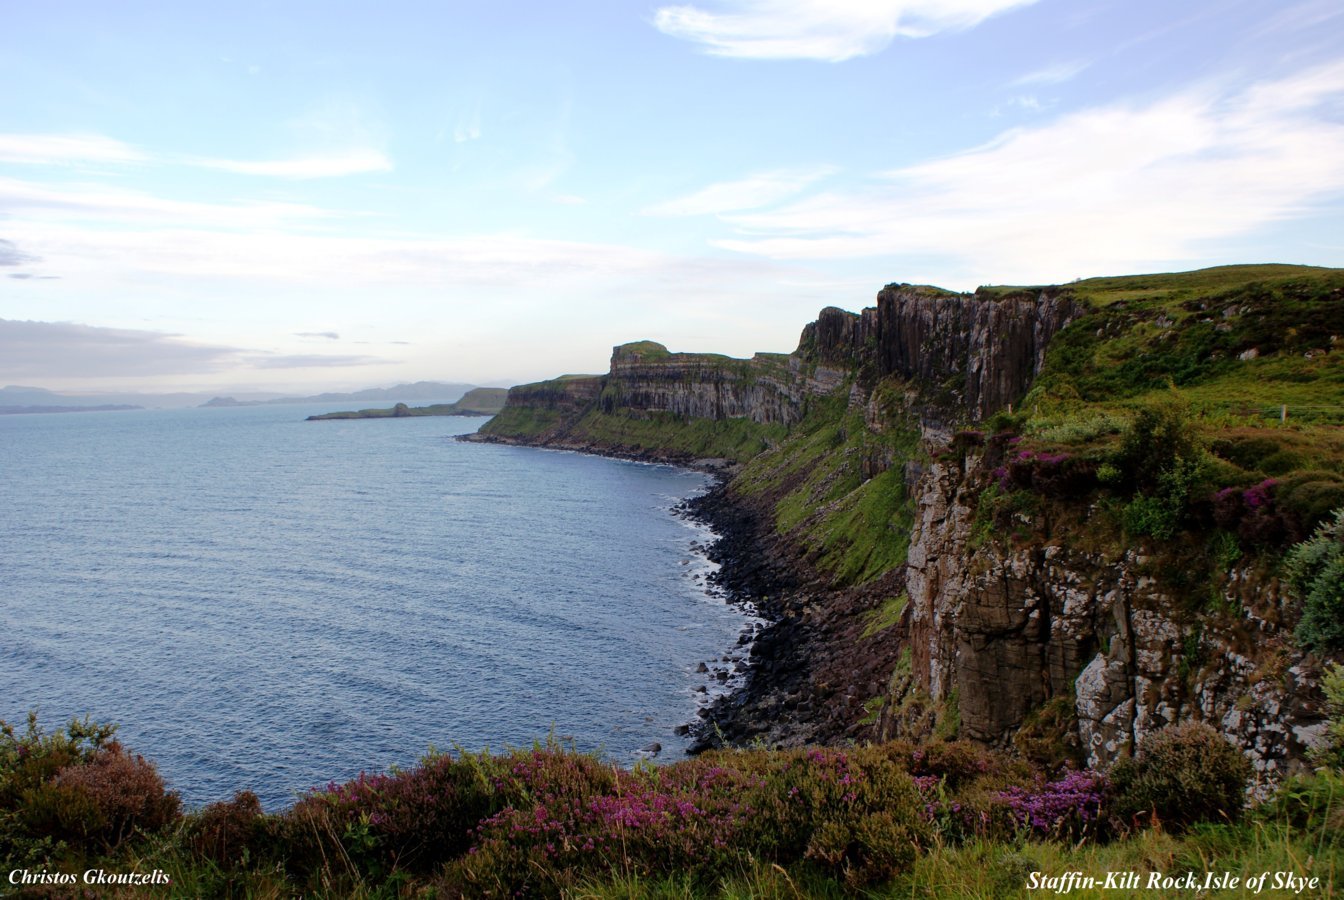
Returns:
(264, 603)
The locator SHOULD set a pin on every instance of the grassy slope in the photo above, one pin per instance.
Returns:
(1231, 347)
(1148, 333)
(857, 527)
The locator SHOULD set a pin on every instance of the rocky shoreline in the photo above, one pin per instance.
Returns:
(717, 466)
(810, 668)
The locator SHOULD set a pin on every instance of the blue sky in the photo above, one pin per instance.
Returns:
(291, 195)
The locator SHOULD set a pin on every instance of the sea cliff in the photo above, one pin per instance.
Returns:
(949, 509)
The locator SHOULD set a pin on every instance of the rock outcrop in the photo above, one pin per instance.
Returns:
(1002, 627)
(976, 353)
(767, 389)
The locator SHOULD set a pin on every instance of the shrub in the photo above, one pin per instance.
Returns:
(1162, 512)
(418, 818)
(229, 832)
(1314, 571)
(99, 803)
(1182, 774)
(1332, 682)
(1310, 498)
(1157, 439)
(953, 762)
(855, 813)
(1069, 807)
(75, 788)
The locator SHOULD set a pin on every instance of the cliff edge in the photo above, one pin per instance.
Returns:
(1052, 518)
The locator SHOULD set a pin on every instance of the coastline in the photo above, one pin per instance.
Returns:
(803, 676)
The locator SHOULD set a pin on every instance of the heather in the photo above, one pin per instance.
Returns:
(887, 819)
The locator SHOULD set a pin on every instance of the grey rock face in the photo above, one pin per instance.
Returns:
(1009, 627)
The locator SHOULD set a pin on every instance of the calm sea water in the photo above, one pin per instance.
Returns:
(266, 603)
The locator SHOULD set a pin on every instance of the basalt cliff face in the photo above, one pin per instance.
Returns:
(909, 588)
(967, 356)
(979, 352)
(1006, 628)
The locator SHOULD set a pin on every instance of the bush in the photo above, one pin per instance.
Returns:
(1069, 807)
(416, 819)
(1161, 513)
(1310, 497)
(855, 813)
(229, 832)
(1314, 572)
(1157, 440)
(1332, 682)
(74, 789)
(99, 803)
(1183, 774)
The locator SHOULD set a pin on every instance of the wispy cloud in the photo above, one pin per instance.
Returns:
(826, 30)
(468, 127)
(1298, 17)
(66, 149)
(275, 252)
(123, 205)
(91, 149)
(336, 165)
(1104, 189)
(11, 255)
(31, 349)
(752, 192)
(1055, 74)
(313, 361)
(326, 335)
(67, 349)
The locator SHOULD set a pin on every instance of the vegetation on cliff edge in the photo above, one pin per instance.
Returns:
(888, 820)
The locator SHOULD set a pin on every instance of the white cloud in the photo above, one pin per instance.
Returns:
(121, 205)
(35, 349)
(827, 30)
(354, 162)
(1056, 74)
(275, 254)
(752, 192)
(65, 149)
(86, 149)
(1106, 189)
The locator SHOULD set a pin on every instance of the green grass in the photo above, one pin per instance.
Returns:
(737, 439)
(524, 421)
(886, 616)
(1146, 334)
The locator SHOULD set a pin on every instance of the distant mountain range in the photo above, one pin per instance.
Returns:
(420, 391)
(22, 399)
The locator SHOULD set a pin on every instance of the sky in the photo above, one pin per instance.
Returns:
(334, 195)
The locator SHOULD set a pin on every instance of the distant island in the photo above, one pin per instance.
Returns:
(27, 399)
(476, 402)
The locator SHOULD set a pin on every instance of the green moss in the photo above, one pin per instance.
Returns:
(886, 616)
